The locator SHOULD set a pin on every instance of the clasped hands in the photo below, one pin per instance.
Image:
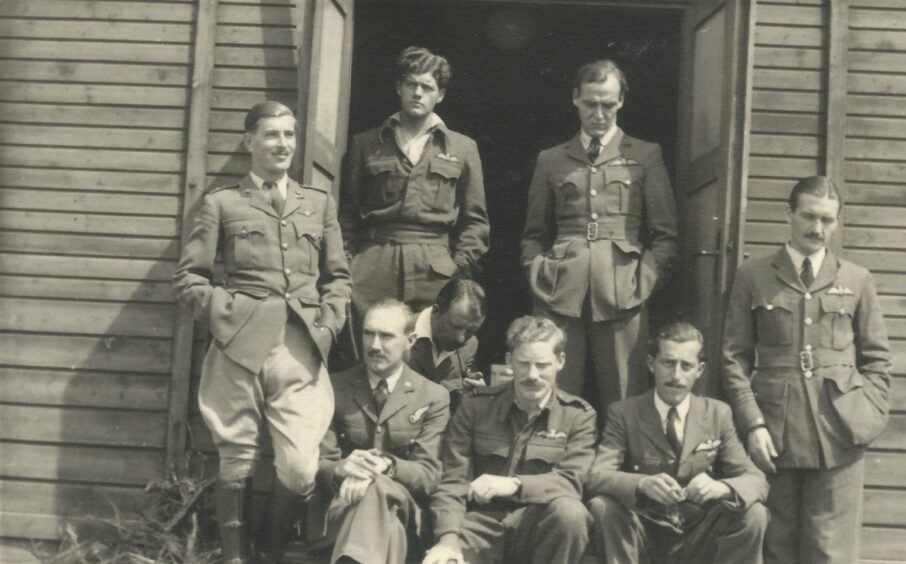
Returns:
(358, 471)
(664, 489)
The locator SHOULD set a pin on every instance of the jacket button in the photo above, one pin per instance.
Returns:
(769, 307)
(594, 169)
(283, 222)
(285, 246)
(378, 430)
(636, 467)
(808, 295)
(287, 271)
(808, 347)
(593, 192)
(594, 215)
(287, 296)
(842, 311)
(808, 320)
(808, 374)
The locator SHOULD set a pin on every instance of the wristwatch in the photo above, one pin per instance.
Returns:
(390, 471)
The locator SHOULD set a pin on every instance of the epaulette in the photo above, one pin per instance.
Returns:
(318, 188)
(214, 189)
(488, 390)
(569, 399)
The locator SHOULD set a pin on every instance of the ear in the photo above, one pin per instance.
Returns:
(508, 359)
(247, 141)
(576, 97)
(561, 361)
(650, 361)
(440, 95)
(410, 340)
(399, 88)
(701, 370)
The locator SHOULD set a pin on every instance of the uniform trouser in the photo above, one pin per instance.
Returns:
(722, 536)
(555, 533)
(291, 393)
(376, 530)
(815, 515)
(609, 353)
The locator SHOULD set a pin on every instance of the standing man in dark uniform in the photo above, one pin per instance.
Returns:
(284, 300)
(380, 460)
(515, 458)
(412, 203)
(600, 233)
(806, 368)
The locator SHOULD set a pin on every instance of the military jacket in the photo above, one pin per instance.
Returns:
(811, 364)
(272, 262)
(550, 455)
(451, 371)
(604, 229)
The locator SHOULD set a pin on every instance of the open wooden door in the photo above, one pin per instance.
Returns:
(716, 39)
(325, 64)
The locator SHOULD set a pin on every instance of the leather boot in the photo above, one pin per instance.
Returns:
(233, 504)
(281, 513)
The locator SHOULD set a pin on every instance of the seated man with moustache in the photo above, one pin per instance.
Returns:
(380, 457)
(671, 481)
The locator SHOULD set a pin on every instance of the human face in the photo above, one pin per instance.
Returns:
(272, 146)
(812, 223)
(451, 329)
(535, 367)
(419, 94)
(385, 340)
(598, 104)
(676, 368)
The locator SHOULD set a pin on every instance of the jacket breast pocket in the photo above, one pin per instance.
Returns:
(307, 247)
(439, 193)
(774, 321)
(544, 453)
(386, 182)
(623, 189)
(569, 202)
(244, 243)
(490, 451)
(837, 321)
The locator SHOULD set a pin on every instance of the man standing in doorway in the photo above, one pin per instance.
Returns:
(412, 203)
(284, 300)
(600, 233)
(806, 368)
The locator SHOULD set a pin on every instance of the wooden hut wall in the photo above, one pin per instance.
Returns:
(829, 97)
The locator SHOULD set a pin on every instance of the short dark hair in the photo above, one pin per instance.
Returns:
(391, 303)
(462, 289)
(263, 110)
(678, 332)
(534, 329)
(418, 60)
(820, 186)
(598, 71)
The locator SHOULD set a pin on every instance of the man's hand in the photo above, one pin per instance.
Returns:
(362, 464)
(472, 382)
(446, 550)
(662, 488)
(761, 449)
(352, 490)
(487, 486)
(704, 488)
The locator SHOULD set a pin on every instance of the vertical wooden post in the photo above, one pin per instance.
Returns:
(835, 125)
(196, 172)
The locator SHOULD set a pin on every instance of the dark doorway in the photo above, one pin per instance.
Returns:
(511, 91)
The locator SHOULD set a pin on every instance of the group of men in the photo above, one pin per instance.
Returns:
(412, 451)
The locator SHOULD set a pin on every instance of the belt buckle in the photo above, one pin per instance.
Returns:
(591, 231)
(806, 361)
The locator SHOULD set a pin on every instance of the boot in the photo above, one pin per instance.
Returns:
(233, 504)
(281, 513)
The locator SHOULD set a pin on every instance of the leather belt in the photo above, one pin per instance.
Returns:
(807, 360)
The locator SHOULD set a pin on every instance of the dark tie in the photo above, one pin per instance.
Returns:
(594, 149)
(381, 393)
(273, 193)
(672, 438)
(807, 275)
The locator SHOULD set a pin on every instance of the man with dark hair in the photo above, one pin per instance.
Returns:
(671, 481)
(412, 203)
(284, 300)
(445, 343)
(380, 458)
(600, 234)
(514, 461)
(806, 368)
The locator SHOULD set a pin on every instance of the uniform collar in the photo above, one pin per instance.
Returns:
(435, 124)
(585, 138)
(816, 258)
(373, 380)
(281, 182)
(681, 410)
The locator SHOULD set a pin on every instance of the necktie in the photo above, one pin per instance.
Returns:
(672, 437)
(273, 193)
(807, 275)
(381, 393)
(594, 149)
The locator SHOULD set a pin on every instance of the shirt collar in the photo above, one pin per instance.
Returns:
(281, 182)
(423, 331)
(392, 380)
(663, 409)
(433, 123)
(816, 258)
(585, 138)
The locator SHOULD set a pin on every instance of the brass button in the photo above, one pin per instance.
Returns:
(287, 295)
(808, 347)
(808, 295)
(594, 215)
(593, 192)
(842, 311)
(287, 271)
(283, 223)
(594, 169)
(769, 307)
(285, 246)
(808, 374)
(808, 320)
(378, 430)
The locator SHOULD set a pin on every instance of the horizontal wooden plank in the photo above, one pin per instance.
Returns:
(255, 35)
(805, 102)
(79, 388)
(790, 57)
(101, 116)
(257, 57)
(256, 14)
(789, 36)
(873, 193)
(87, 318)
(114, 181)
(867, 171)
(119, 51)
(853, 237)
(884, 507)
(120, 31)
(226, 143)
(875, 149)
(98, 290)
(874, 260)
(99, 10)
(30, 526)
(59, 200)
(89, 245)
(894, 437)
(243, 98)
(272, 79)
(775, 122)
(883, 469)
(68, 93)
(877, 40)
(882, 543)
(877, 127)
(92, 137)
(853, 215)
(76, 425)
(67, 157)
(107, 73)
(90, 223)
(783, 167)
(123, 354)
(235, 164)
(893, 304)
(86, 267)
(74, 500)
(786, 145)
(785, 79)
(892, 284)
(861, 17)
(875, 61)
(118, 466)
(873, 83)
(898, 382)
(789, 15)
